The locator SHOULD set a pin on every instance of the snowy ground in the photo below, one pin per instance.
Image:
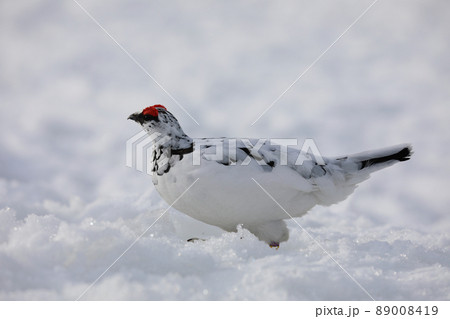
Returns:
(69, 207)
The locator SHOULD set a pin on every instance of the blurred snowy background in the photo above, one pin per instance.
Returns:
(69, 206)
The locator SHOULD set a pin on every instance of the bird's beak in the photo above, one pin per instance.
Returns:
(137, 117)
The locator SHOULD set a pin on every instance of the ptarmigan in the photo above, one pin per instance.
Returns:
(236, 176)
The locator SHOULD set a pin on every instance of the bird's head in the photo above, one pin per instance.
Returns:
(157, 118)
(150, 115)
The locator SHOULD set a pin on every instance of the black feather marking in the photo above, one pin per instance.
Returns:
(270, 163)
(400, 156)
(318, 171)
(182, 151)
(246, 151)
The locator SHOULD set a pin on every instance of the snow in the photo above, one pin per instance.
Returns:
(69, 207)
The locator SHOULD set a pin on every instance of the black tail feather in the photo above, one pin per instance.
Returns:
(401, 156)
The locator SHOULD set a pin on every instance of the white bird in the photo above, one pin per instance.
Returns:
(247, 181)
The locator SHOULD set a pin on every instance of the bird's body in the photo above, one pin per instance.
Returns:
(255, 183)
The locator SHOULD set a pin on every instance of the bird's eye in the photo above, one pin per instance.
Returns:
(148, 117)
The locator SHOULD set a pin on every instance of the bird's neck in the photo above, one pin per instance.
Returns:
(180, 145)
(167, 151)
(174, 142)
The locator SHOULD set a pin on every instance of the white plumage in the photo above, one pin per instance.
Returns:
(226, 194)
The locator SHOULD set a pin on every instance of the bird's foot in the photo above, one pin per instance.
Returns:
(274, 244)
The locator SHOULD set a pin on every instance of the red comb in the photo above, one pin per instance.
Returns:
(151, 110)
